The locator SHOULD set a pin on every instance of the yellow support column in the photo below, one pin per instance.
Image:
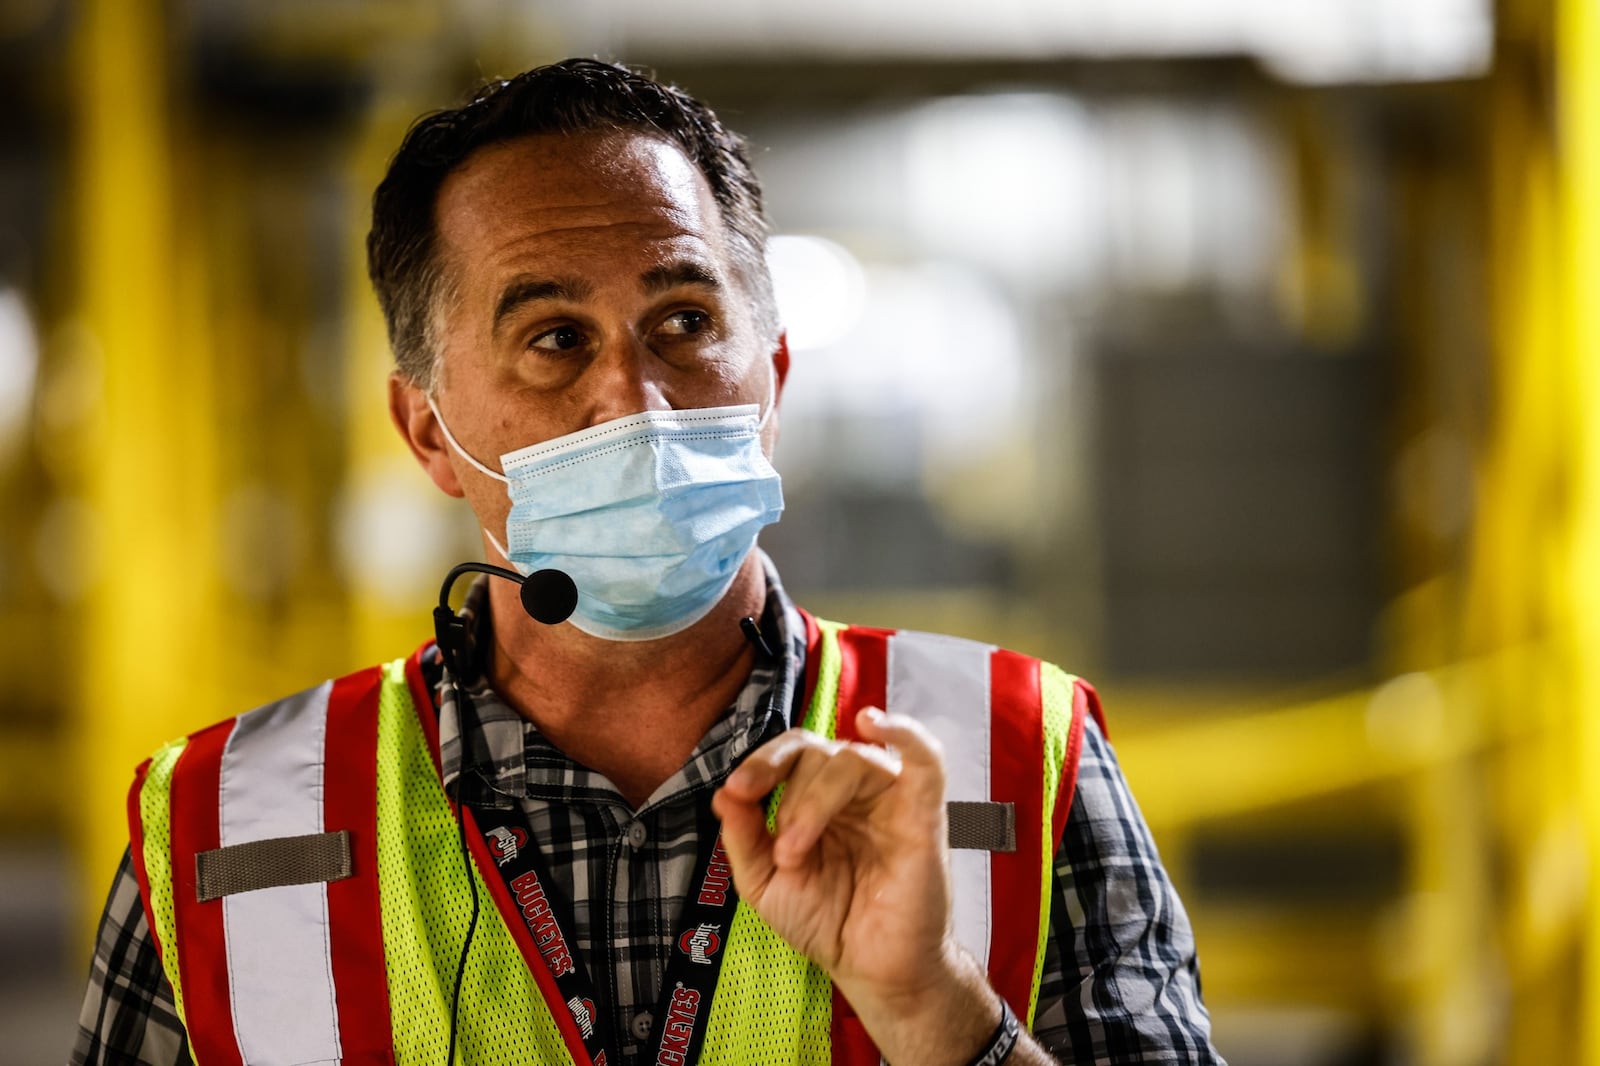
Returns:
(146, 650)
(1577, 62)
(1535, 566)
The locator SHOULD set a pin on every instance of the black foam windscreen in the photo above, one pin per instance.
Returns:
(549, 596)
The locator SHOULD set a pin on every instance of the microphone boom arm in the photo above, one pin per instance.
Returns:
(549, 596)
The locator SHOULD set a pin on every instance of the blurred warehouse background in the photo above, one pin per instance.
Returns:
(1237, 354)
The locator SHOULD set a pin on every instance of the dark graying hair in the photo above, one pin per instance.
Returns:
(572, 96)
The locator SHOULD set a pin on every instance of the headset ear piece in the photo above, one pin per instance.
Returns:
(455, 644)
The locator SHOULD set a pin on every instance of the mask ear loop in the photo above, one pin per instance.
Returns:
(459, 450)
(497, 547)
(772, 399)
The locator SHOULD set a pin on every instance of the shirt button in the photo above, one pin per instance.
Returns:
(636, 839)
(640, 1026)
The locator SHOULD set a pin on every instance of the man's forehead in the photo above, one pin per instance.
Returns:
(567, 172)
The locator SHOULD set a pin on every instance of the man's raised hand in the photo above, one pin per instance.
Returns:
(855, 877)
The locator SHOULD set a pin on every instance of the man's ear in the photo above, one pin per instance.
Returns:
(780, 359)
(409, 410)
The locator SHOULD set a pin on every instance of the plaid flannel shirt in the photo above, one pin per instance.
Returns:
(1120, 986)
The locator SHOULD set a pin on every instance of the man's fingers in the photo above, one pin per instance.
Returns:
(746, 841)
(774, 762)
(919, 748)
(821, 777)
(851, 773)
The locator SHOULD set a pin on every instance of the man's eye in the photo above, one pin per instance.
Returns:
(686, 322)
(560, 339)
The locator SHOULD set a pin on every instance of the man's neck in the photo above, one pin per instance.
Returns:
(634, 711)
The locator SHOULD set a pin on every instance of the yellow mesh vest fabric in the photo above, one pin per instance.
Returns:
(1056, 690)
(426, 901)
(773, 1006)
(155, 821)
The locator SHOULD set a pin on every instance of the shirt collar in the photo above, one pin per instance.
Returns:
(510, 758)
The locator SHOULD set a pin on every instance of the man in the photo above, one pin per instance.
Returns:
(517, 846)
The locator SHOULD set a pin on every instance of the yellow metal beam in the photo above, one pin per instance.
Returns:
(1577, 62)
(1199, 770)
(146, 653)
(1536, 570)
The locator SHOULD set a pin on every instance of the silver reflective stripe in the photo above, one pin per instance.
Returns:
(280, 970)
(943, 682)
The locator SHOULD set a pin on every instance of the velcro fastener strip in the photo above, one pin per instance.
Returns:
(978, 826)
(298, 860)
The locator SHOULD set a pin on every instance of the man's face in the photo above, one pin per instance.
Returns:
(592, 279)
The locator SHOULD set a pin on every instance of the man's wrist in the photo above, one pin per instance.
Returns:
(1001, 1041)
(946, 1020)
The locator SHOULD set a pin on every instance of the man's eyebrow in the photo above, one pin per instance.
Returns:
(684, 272)
(526, 290)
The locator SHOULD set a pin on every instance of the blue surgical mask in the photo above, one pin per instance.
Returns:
(651, 515)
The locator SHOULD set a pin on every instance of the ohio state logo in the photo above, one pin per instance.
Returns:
(504, 844)
(582, 1013)
(702, 943)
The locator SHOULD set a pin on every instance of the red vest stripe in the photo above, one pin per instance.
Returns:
(511, 914)
(863, 682)
(813, 655)
(422, 700)
(1016, 756)
(202, 944)
(355, 917)
(1084, 703)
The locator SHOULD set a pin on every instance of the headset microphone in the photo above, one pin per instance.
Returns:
(549, 596)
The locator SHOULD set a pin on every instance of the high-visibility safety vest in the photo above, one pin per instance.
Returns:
(302, 874)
